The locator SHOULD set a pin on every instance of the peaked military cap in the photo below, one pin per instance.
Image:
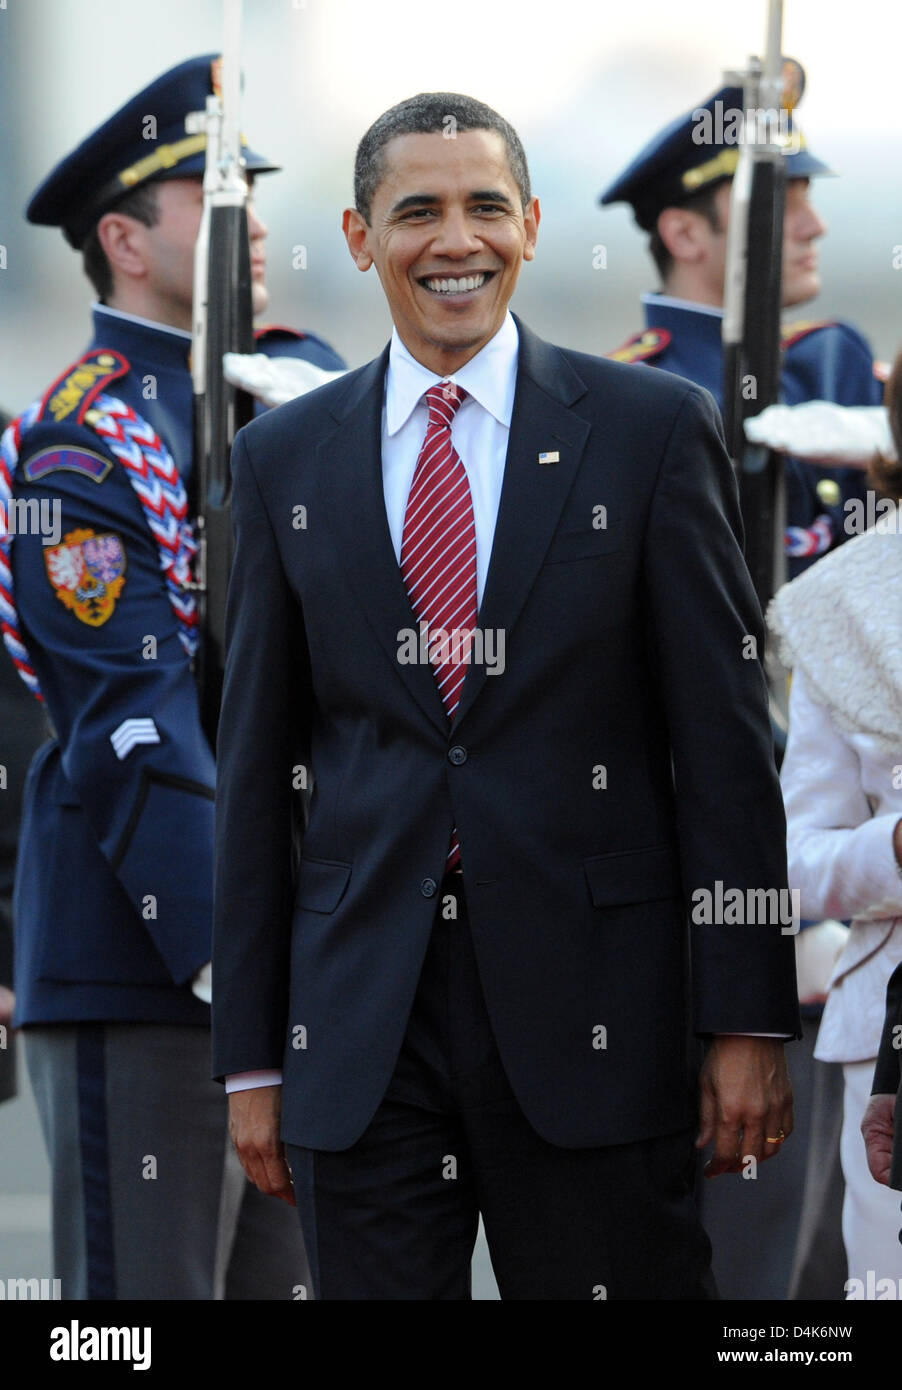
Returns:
(145, 140)
(697, 151)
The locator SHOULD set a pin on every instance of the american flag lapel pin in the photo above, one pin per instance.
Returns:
(552, 456)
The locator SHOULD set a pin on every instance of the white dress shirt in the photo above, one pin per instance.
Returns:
(479, 431)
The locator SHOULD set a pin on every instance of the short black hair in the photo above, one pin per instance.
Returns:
(431, 113)
(142, 204)
(705, 204)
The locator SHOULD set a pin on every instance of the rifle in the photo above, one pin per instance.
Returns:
(751, 322)
(223, 322)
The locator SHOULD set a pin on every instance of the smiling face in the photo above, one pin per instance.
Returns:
(447, 234)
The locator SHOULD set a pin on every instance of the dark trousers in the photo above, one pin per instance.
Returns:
(395, 1216)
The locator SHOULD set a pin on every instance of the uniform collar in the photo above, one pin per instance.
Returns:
(141, 338)
(702, 322)
(490, 377)
(656, 303)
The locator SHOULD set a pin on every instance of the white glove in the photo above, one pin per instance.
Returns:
(824, 433)
(202, 984)
(274, 379)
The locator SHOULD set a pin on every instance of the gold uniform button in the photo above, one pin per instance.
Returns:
(828, 491)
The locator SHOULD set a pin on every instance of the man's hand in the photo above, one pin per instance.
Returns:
(7, 1006)
(745, 1102)
(255, 1124)
(877, 1128)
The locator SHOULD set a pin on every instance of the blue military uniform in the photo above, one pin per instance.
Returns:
(22, 730)
(823, 360)
(115, 876)
(122, 819)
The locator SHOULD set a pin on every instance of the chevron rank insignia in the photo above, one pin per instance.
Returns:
(83, 461)
(130, 733)
(88, 573)
(641, 346)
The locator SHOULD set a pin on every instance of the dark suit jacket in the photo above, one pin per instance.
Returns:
(621, 761)
(888, 1072)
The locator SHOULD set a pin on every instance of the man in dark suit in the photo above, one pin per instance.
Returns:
(491, 593)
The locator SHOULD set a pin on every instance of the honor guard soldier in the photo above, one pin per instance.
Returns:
(679, 189)
(22, 729)
(115, 876)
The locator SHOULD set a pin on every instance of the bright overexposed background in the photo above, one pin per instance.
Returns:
(586, 82)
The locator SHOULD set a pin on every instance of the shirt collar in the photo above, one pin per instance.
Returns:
(490, 377)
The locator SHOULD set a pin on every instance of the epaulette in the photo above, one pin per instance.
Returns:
(80, 385)
(794, 332)
(650, 342)
(276, 330)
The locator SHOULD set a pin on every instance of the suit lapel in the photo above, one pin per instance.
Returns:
(350, 465)
(532, 494)
(532, 498)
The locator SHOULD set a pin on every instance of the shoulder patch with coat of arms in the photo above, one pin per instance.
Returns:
(88, 573)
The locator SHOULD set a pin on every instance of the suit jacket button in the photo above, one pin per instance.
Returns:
(428, 887)
(457, 755)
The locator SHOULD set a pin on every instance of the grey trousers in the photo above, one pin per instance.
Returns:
(819, 1269)
(149, 1200)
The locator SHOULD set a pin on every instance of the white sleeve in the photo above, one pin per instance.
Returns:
(840, 856)
(251, 1080)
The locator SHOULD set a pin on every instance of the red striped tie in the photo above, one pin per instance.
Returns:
(438, 553)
